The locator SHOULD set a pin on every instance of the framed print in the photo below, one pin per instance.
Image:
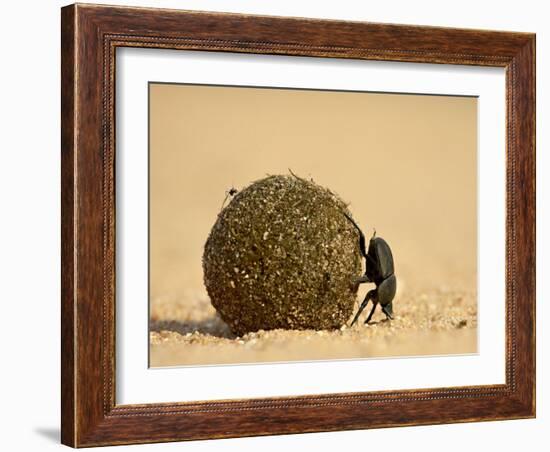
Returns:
(280, 225)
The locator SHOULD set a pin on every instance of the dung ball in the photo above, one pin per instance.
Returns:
(282, 254)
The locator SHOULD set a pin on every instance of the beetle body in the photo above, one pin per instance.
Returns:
(379, 269)
(381, 260)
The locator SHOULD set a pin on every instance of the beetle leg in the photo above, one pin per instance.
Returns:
(362, 245)
(361, 308)
(361, 280)
(370, 296)
(374, 304)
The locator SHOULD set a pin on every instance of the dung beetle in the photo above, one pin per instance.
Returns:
(379, 270)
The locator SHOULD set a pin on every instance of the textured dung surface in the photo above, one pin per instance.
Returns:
(282, 255)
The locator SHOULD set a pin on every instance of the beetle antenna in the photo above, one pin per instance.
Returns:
(374, 232)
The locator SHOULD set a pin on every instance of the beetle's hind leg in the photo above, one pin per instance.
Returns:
(362, 241)
(371, 295)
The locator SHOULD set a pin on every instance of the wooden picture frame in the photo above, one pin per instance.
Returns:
(90, 36)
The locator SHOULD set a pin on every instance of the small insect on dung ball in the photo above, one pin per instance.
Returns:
(282, 254)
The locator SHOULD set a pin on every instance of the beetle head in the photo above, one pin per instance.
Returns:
(388, 310)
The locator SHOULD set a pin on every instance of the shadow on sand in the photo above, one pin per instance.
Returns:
(212, 326)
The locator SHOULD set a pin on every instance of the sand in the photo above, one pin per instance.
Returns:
(189, 332)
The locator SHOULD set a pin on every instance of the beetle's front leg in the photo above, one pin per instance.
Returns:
(374, 304)
(370, 296)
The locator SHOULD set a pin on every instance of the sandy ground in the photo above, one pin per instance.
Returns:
(190, 332)
(405, 164)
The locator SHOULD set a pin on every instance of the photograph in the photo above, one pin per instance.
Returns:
(286, 222)
(292, 224)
